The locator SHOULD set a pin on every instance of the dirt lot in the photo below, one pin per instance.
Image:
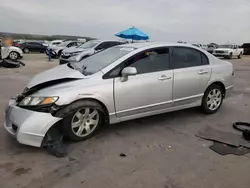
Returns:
(161, 151)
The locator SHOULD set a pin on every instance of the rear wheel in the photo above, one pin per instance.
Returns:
(212, 99)
(239, 56)
(26, 50)
(13, 55)
(84, 122)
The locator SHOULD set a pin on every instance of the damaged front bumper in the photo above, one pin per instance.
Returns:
(28, 127)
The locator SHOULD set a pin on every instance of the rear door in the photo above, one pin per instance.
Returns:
(191, 75)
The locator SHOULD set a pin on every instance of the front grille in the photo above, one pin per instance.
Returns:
(63, 61)
(65, 56)
(219, 52)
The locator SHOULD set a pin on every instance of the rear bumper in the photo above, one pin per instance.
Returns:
(28, 127)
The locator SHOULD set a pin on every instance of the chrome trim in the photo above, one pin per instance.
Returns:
(191, 97)
(147, 106)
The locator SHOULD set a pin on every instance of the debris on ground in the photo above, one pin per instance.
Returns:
(122, 155)
(54, 143)
(224, 149)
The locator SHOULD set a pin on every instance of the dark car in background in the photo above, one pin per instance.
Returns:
(246, 47)
(33, 47)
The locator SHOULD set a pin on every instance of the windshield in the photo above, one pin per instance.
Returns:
(63, 44)
(89, 44)
(100, 60)
(225, 46)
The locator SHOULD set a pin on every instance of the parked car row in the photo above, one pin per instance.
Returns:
(76, 54)
(120, 83)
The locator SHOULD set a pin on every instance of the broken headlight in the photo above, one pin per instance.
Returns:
(37, 101)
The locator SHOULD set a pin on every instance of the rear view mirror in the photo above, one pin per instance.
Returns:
(129, 71)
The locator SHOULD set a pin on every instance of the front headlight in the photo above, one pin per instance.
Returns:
(226, 51)
(74, 53)
(35, 101)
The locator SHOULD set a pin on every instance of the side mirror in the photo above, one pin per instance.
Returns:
(129, 71)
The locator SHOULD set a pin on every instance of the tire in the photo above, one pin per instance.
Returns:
(59, 53)
(230, 56)
(239, 56)
(26, 50)
(211, 103)
(13, 55)
(84, 121)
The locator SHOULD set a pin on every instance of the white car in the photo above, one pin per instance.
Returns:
(120, 83)
(202, 46)
(228, 51)
(11, 52)
(54, 43)
(55, 51)
(87, 49)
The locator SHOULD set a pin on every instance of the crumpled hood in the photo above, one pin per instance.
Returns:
(58, 73)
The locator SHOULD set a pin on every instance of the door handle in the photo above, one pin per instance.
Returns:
(203, 72)
(164, 77)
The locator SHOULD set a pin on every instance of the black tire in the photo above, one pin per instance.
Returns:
(230, 56)
(76, 107)
(14, 55)
(26, 50)
(204, 104)
(59, 53)
(239, 56)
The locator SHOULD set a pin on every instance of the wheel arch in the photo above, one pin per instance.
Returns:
(15, 52)
(220, 84)
(66, 109)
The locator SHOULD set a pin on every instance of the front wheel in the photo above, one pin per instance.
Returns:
(212, 99)
(13, 55)
(84, 122)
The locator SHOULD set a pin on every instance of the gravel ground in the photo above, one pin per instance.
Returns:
(160, 151)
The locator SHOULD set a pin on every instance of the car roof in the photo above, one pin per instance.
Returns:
(155, 44)
(100, 40)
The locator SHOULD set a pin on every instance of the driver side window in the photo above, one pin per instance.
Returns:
(153, 60)
(101, 46)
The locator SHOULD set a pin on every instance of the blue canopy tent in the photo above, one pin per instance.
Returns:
(133, 34)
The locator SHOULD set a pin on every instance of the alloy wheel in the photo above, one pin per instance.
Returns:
(13, 55)
(85, 121)
(214, 99)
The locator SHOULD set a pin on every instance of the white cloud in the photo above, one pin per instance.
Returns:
(189, 20)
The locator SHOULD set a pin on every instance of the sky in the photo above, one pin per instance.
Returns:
(195, 21)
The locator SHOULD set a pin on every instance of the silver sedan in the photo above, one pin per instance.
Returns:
(121, 83)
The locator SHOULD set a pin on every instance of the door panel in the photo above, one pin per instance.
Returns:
(143, 93)
(190, 84)
(191, 75)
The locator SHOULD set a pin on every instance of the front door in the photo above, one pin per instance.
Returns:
(150, 90)
(191, 75)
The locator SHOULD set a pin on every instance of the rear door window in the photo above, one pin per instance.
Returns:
(184, 57)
